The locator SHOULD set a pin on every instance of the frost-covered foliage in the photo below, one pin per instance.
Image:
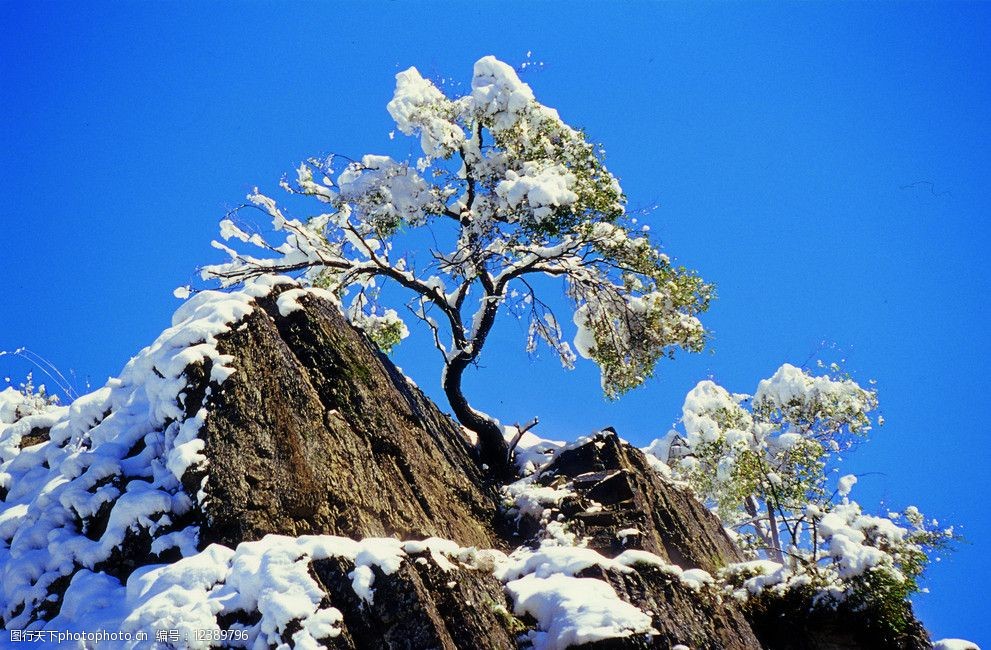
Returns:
(509, 191)
(771, 447)
(24, 401)
(761, 462)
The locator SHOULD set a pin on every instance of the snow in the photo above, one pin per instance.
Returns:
(439, 549)
(530, 498)
(628, 532)
(696, 579)
(572, 611)
(755, 576)
(849, 538)
(373, 323)
(544, 187)
(845, 484)
(955, 644)
(792, 391)
(383, 190)
(704, 412)
(551, 560)
(584, 341)
(417, 105)
(532, 452)
(124, 447)
(561, 553)
(288, 301)
(497, 92)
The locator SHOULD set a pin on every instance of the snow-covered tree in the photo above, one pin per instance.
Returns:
(507, 191)
(763, 463)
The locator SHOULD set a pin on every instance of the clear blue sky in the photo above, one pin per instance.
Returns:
(780, 142)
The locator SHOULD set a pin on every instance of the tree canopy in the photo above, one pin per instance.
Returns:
(764, 463)
(509, 192)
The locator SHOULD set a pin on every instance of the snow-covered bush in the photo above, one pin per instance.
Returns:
(762, 463)
(27, 399)
(508, 191)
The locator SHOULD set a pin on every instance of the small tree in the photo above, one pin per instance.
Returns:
(761, 462)
(508, 192)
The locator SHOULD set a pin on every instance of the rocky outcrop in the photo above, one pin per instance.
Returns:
(618, 503)
(789, 623)
(698, 618)
(422, 606)
(306, 383)
(316, 432)
(615, 490)
(262, 474)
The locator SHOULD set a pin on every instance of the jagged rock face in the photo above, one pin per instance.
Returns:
(789, 623)
(422, 606)
(316, 432)
(619, 503)
(628, 494)
(697, 618)
(255, 469)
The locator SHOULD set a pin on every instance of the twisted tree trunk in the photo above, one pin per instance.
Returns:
(493, 451)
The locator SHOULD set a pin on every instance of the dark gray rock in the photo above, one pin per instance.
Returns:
(615, 490)
(790, 623)
(422, 606)
(671, 522)
(316, 432)
(699, 619)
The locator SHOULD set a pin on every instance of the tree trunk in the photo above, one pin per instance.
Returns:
(775, 537)
(492, 448)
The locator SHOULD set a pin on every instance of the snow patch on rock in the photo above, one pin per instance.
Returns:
(110, 469)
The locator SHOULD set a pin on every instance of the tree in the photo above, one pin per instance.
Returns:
(761, 462)
(508, 192)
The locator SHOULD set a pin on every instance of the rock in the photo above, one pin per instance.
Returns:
(36, 436)
(789, 623)
(668, 520)
(698, 618)
(423, 606)
(616, 492)
(317, 432)
(251, 470)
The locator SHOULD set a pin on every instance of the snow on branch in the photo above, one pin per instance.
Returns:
(763, 463)
(504, 190)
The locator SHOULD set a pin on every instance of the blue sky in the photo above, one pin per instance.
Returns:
(826, 166)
